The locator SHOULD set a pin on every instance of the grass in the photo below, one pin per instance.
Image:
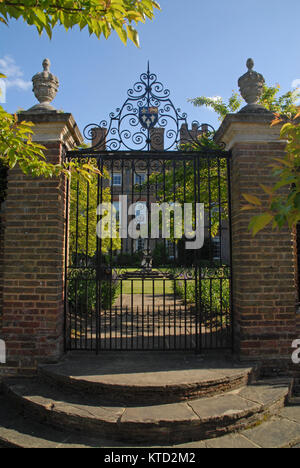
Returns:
(147, 286)
(150, 286)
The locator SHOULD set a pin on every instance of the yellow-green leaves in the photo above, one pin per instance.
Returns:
(252, 199)
(17, 147)
(259, 222)
(133, 35)
(100, 17)
(282, 206)
(284, 105)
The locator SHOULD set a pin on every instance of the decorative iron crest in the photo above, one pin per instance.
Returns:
(147, 121)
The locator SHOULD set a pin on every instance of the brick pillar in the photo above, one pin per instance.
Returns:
(263, 266)
(34, 245)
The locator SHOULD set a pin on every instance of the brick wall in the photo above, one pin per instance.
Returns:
(2, 222)
(264, 266)
(33, 302)
(3, 184)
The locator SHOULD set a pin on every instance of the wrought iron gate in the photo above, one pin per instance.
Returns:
(134, 279)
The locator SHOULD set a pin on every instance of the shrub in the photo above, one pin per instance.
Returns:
(129, 260)
(82, 291)
(213, 291)
(160, 255)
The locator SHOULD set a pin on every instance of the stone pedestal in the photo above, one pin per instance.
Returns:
(34, 250)
(263, 266)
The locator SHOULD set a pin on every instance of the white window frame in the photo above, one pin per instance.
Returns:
(112, 179)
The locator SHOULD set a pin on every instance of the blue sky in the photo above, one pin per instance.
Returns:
(195, 47)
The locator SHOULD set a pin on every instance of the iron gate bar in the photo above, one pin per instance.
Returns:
(132, 155)
(207, 333)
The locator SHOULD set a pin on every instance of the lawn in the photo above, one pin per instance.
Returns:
(147, 286)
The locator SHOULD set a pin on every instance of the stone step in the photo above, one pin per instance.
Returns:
(295, 395)
(282, 431)
(19, 432)
(146, 378)
(297, 388)
(173, 423)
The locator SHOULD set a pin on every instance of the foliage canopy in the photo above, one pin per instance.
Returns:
(284, 104)
(101, 17)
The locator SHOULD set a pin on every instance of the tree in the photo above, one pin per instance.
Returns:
(281, 208)
(101, 17)
(284, 105)
(83, 217)
(17, 147)
(283, 204)
(178, 181)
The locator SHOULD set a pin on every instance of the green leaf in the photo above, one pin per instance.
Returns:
(252, 199)
(40, 15)
(259, 222)
(133, 35)
(121, 33)
(297, 202)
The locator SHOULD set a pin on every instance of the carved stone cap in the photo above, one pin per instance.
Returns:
(248, 127)
(53, 127)
(251, 88)
(45, 87)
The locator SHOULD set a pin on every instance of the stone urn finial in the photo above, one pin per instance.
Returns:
(45, 87)
(251, 88)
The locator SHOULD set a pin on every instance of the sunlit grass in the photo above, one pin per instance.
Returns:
(147, 286)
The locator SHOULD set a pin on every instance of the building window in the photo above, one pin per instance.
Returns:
(117, 208)
(139, 179)
(117, 179)
(141, 213)
(140, 244)
(170, 247)
(216, 248)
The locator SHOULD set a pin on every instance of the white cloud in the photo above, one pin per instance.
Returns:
(2, 91)
(215, 98)
(19, 83)
(14, 74)
(296, 83)
(296, 86)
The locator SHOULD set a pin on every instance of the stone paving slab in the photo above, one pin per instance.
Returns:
(278, 433)
(175, 413)
(51, 399)
(230, 441)
(153, 369)
(266, 392)
(223, 406)
(292, 413)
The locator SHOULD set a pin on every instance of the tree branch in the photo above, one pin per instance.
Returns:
(57, 7)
